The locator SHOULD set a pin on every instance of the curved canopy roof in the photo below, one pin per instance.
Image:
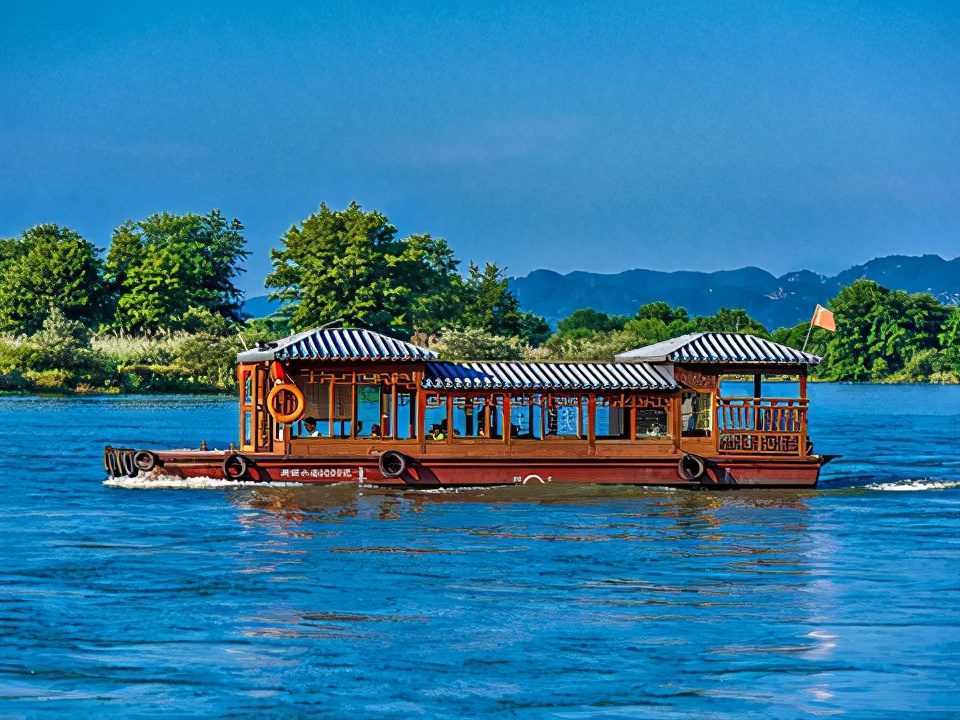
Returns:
(728, 348)
(546, 376)
(336, 344)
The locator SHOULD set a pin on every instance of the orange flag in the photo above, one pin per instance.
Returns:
(823, 318)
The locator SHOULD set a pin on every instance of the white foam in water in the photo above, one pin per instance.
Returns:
(913, 485)
(168, 482)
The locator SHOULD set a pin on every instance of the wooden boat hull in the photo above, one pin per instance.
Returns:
(439, 472)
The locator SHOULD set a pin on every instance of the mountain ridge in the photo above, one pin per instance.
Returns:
(775, 301)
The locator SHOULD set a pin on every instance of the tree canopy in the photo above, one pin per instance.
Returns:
(880, 332)
(47, 267)
(162, 266)
(348, 265)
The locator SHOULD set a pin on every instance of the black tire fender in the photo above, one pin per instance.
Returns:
(112, 463)
(127, 465)
(145, 460)
(691, 467)
(393, 464)
(235, 467)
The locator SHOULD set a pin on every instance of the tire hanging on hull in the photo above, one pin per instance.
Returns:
(692, 467)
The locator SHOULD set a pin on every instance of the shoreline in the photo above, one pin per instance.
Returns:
(220, 392)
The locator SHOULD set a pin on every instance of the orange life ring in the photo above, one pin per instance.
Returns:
(297, 411)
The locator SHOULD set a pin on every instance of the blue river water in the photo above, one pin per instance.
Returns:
(547, 602)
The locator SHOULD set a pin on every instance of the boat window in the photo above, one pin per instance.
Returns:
(651, 423)
(247, 425)
(527, 419)
(435, 417)
(472, 416)
(329, 401)
(566, 416)
(611, 424)
(398, 403)
(369, 421)
(696, 413)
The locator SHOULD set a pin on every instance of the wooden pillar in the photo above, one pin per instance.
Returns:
(421, 415)
(449, 419)
(332, 406)
(757, 384)
(393, 408)
(414, 410)
(676, 411)
(592, 420)
(354, 407)
(803, 383)
(507, 424)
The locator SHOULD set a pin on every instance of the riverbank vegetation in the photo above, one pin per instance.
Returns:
(159, 310)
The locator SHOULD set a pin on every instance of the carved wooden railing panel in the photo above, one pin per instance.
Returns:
(769, 426)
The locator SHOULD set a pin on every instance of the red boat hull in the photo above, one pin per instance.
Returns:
(725, 472)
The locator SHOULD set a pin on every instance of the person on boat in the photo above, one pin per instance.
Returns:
(439, 431)
(375, 431)
(310, 427)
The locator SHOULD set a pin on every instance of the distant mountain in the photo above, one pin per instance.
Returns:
(774, 301)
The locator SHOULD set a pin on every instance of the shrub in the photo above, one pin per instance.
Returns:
(474, 343)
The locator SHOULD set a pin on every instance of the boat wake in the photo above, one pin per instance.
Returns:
(913, 485)
(167, 482)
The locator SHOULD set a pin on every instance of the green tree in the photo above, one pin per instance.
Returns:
(880, 332)
(487, 302)
(583, 322)
(474, 343)
(162, 266)
(47, 267)
(949, 338)
(730, 320)
(663, 312)
(349, 265)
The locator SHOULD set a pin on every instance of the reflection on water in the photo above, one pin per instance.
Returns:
(531, 602)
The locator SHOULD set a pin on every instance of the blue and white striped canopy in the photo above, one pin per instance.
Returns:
(545, 376)
(337, 344)
(715, 347)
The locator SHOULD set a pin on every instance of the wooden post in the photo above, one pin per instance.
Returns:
(421, 415)
(354, 407)
(592, 421)
(449, 419)
(803, 412)
(506, 419)
(332, 404)
(393, 407)
(414, 405)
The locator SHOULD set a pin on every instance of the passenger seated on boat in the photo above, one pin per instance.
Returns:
(310, 427)
(439, 431)
(375, 431)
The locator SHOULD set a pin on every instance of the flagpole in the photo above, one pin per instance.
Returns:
(809, 330)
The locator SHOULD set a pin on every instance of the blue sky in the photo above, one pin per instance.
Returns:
(571, 136)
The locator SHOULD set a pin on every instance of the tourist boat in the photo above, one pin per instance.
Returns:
(344, 405)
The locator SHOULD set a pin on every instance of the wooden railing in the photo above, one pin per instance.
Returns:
(770, 426)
